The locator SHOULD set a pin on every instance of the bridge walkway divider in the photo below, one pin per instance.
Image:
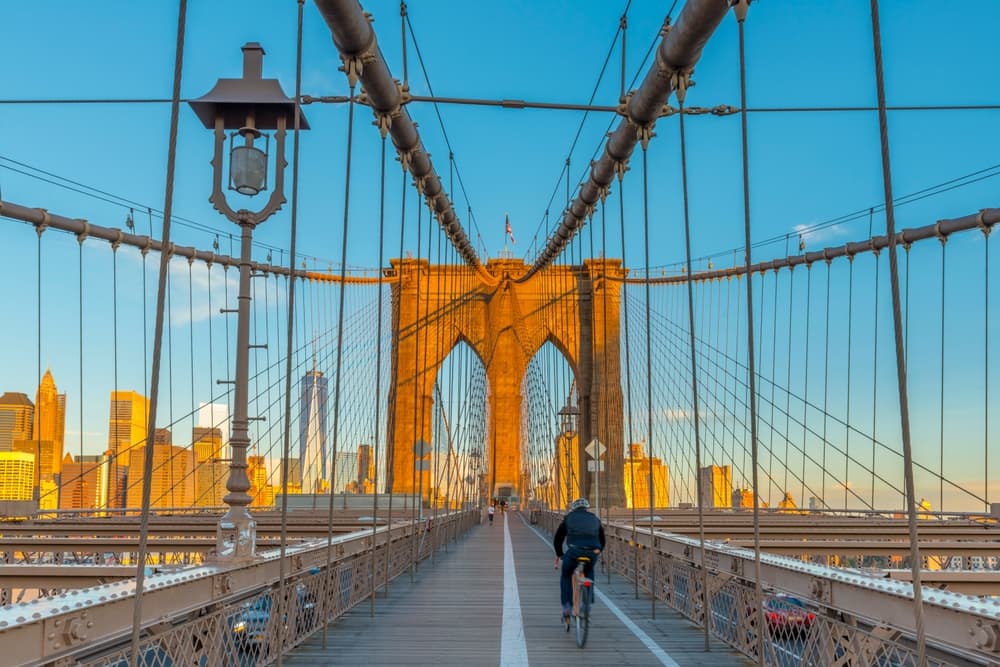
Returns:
(454, 613)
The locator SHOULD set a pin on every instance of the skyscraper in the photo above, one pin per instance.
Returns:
(84, 482)
(17, 471)
(126, 431)
(638, 469)
(717, 486)
(50, 418)
(210, 472)
(312, 431)
(16, 414)
(171, 482)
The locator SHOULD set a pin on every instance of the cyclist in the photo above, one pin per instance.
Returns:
(584, 536)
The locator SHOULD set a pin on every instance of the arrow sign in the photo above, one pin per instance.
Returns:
(595, 449)
(421, 448)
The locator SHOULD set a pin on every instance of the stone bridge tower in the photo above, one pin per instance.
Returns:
(576, 308)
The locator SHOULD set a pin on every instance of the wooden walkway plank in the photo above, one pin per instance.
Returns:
(452, 615)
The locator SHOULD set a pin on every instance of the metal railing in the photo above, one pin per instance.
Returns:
(813, 614)
(221, 615)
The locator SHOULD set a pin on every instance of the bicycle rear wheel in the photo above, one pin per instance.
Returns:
(583, 615)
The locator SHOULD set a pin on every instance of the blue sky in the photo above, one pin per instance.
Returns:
(806, 167)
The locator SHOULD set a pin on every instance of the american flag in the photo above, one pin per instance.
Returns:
(509, 232)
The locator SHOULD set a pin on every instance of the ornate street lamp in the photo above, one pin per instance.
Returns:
(567, 420)
(247, 107)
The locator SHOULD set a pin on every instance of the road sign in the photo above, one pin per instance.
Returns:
(421, 448)
(422, 465)
(595, 466)
(595, 449)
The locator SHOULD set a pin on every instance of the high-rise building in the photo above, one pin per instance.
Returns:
(17, 475)
(211, 473)
(716, 486)
(126, 432)
(215, 415)
(16, 414)
(43, 453)
(171, 483)
(366, 465)
(638, 468)
(345, 471)
(259, 489)
(312, 431)
(50, 421)
(84, 482)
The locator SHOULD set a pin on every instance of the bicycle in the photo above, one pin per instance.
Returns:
(583, 598)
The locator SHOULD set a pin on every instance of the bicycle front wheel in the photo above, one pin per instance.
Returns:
(583, 615)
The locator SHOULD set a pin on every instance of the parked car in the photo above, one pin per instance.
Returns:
(787, 615)
(252, 623)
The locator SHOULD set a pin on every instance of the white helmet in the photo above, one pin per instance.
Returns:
(579, 503)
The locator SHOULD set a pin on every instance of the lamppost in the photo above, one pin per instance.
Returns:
(246, 106)
(568, 416)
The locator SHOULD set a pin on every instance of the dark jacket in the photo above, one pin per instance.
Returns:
(579, 528)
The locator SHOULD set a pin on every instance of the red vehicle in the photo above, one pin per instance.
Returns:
(787, 615)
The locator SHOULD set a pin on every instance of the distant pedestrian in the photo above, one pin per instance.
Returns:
(489, 513)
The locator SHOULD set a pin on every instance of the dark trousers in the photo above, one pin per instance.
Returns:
(568, 566)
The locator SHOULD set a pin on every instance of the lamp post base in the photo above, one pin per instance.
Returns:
(236, 536)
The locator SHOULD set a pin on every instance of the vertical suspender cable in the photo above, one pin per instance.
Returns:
(416, 395)
(788, 376)
(80, 282)
(158, 336)
(694, 371)
(340, 349)
(649, 379)
(608, 415)
(378, 373)
(805, 381)
(944, 252)
(875, 374)
(904, 408)
(850, 332)
(986, 370)
(290, 328)
(826, 386)
(740, 8)
(390, 475)
(628, 385)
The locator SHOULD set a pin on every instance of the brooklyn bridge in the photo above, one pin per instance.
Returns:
(286, 325)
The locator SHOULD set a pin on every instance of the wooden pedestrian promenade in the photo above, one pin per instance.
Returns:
(475, 607)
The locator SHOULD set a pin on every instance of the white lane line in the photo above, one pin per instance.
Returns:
(647, 641)
(513, 649)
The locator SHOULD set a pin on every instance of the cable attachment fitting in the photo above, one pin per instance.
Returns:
(942, 237)
(981, 223)
(352, 66)
(680, 81)
(84, 233)
(620, 167)
(43, 224)
(645, 133)
(740, 8)
(405, 158)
